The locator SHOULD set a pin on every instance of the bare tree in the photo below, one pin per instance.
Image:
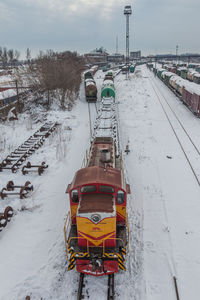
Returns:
(11, 55)
(1, 53)
(57, 72)
(4, 57)
(28, 55)
(16, 55)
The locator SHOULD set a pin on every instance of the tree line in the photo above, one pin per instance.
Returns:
(52, 75)
(8, 56)
(56, 75)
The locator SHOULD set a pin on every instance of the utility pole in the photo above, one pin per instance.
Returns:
(127, 13)
(17, 90)
(176, 54)
(117, 44)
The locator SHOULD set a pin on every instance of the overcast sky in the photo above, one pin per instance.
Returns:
(156, 26)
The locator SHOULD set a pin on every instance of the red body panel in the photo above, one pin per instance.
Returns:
(84, 266)
(192, 101)
(196, 104)
(4, 89)
(187, 97)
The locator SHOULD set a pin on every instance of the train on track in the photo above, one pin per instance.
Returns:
(190, 72)
(108, 88)
(96, 229)
(90, 85)
(188, 92)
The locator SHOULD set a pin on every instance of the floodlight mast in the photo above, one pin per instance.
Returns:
(127, 13)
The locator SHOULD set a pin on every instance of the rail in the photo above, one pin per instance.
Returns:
(177, 137)
(110, 287)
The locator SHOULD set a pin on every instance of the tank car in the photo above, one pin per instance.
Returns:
(108, 88)
(90, 90)
(90, 87)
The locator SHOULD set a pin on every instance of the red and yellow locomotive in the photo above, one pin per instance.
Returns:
(96, 230)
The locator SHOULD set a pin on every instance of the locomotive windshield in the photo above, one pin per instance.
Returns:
(106, 189)
(74, 196)
(120, 197)
(88, 189)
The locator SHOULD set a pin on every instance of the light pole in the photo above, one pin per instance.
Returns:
(177, 54)
(127, 13)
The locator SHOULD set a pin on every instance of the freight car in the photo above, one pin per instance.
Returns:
(96, 234)
(108, 88)
(188, 92)
(90, 87)
(90, 90)
(132, 69)
(88, 75)
(191, 74)
(196, 78)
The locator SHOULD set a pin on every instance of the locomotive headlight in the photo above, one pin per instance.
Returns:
(96, 218)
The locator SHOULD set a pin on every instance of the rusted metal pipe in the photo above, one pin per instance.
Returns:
(176, 288)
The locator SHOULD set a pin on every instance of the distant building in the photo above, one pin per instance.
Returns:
(115, 58)
(97, 57)
(135, 55)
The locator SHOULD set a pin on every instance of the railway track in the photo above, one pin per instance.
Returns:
(90, 121)
(111, 287)
(184, 140)
(179, 121)
(188, 156)
(92, 112)
(110, 292)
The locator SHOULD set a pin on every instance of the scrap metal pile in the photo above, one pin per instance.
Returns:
(5, 217)
(16, 158)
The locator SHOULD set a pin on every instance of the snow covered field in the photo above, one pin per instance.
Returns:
(164, 191)
(164, 205)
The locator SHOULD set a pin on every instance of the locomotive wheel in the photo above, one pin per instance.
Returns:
(40, 171)
(14, 169)
(28, 186)
(8, 213)
(10, 185)
(22, 194)
(3, 222)
(2, 194)
(28, 164)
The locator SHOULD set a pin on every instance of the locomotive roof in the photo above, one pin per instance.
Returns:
(97, 174)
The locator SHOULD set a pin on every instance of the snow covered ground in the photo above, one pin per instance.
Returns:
(164, 205)
(164, 191)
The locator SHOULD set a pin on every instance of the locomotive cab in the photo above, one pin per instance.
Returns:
(96, 216)
(98, 235)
